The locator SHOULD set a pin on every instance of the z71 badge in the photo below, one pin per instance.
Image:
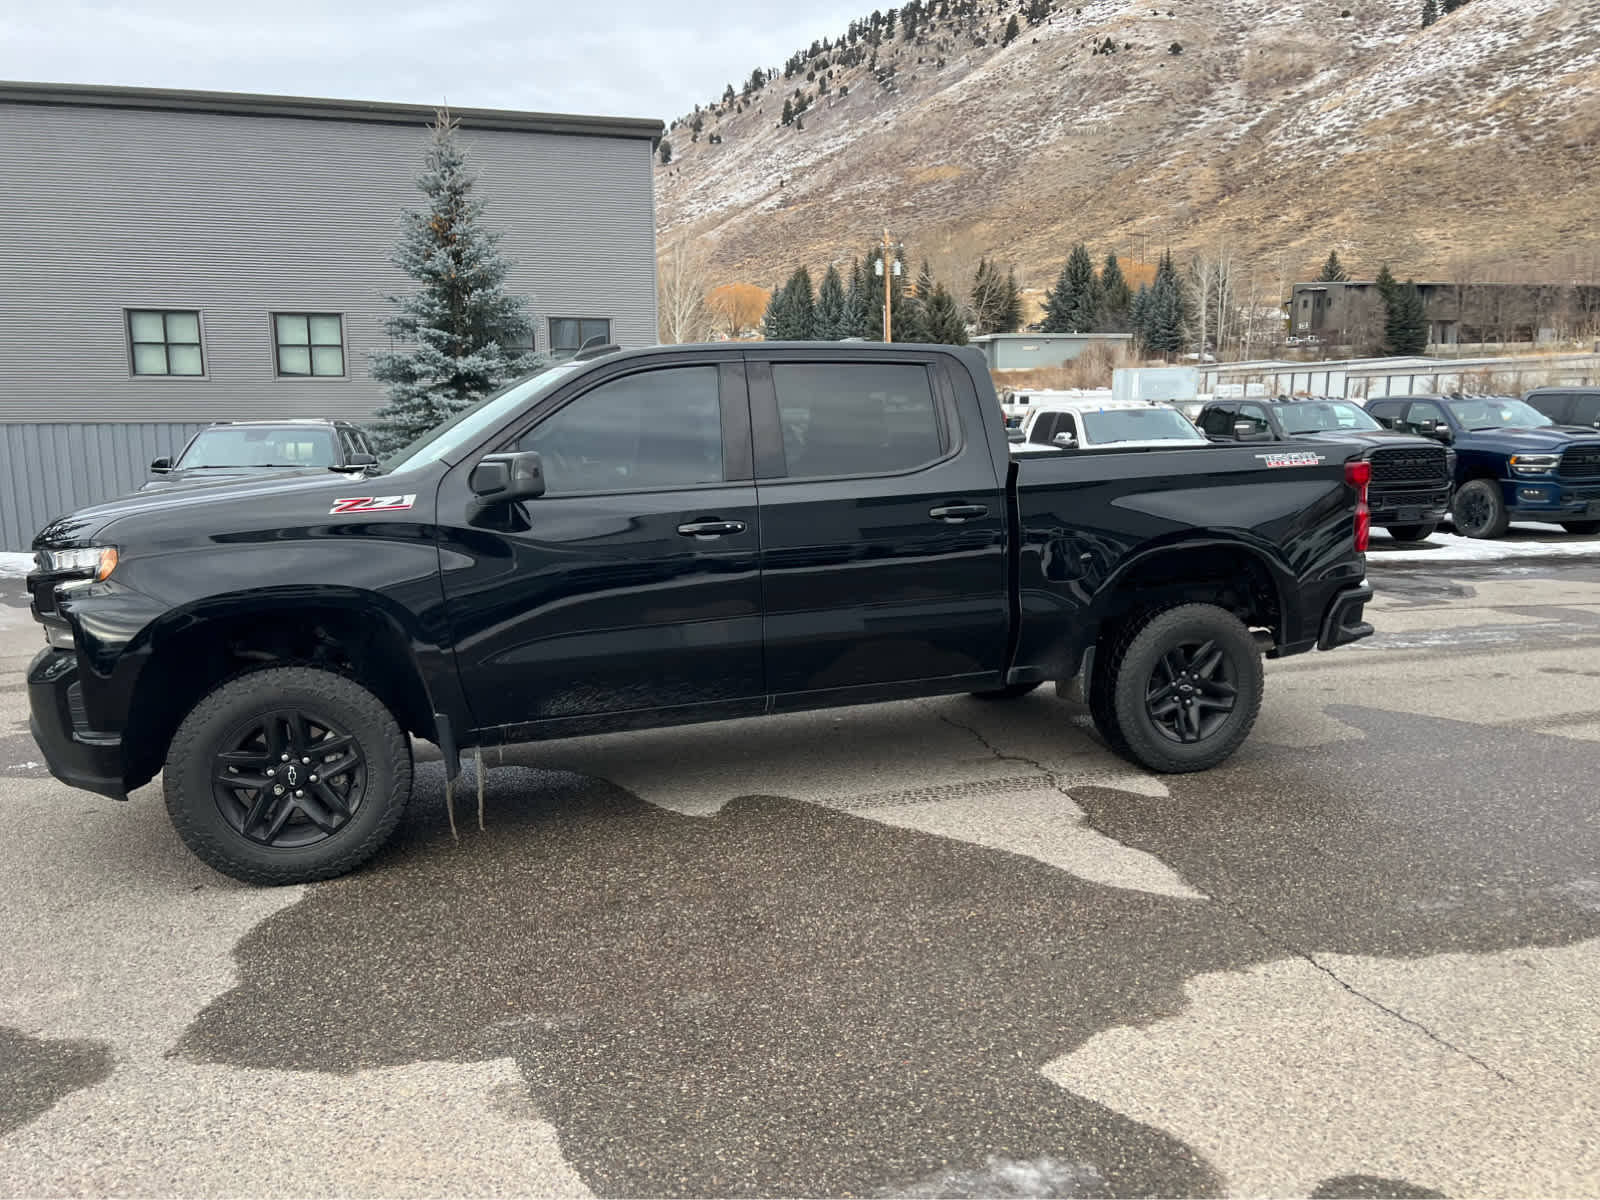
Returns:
(1292, 458)
(371, 504)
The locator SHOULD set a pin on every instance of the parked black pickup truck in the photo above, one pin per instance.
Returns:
(657, 537)
(1411, 476)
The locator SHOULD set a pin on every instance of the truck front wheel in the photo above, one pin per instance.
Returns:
(1479, 511)
(1180, 689)
(287, 775)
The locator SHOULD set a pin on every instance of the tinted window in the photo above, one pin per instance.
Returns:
(1257, 416)
(1217, 421)
(656, 429)
(1139, 425)
(1491, 412)
(857, 418)
(1319, 416)
(1585, 410)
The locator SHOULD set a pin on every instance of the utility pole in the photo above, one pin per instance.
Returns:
(888, 286)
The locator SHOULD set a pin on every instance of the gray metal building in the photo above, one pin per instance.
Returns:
(1025, 351)
(155, 238)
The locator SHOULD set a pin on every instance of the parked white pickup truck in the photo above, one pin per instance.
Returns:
(1094, 424)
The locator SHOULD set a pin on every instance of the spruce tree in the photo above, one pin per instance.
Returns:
(460, 330)
(831, 306)
(797, 319)
(1059, 304)
(1387, 284)
(1406, 330)
(1139, 315)
(1166, 310)
(856, 299)
(1333, 270)
(1115, 296)
(1011, 311)
(1085, 313)
(1012, 30)
(772, 319)
(943, 318)
(1430, 12)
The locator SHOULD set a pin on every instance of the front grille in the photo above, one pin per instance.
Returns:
(1581, 462)
(1411, 466)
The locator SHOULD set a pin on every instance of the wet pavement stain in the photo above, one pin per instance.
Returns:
(789, 999)
(1359, 1187)
(36, 1073)
(781, 999)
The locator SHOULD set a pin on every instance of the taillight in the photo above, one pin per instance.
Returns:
(1358, 474)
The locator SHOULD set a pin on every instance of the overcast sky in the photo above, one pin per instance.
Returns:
(627, 58)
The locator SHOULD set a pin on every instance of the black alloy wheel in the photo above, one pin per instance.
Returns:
(289, 778)
(1191, 692)
(1479, 512)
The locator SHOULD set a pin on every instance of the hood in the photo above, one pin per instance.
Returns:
(195, 476)
(302, 493)
(1552, 438)
(1366, 437)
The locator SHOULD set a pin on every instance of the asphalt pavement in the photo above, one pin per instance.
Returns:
(936, 948)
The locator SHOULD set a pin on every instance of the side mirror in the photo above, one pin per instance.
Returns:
(1434, 429)
(1066, 440)
(161, 466)
(506, 477)
(362, 460)
(1249, 431)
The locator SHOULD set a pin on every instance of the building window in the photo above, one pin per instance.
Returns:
(568, 335)
(309, 343)
(165, 343)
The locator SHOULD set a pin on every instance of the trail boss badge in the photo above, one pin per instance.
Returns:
(371, 504)
(1292, 458)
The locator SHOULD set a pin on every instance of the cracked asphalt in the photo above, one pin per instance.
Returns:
(938, 948)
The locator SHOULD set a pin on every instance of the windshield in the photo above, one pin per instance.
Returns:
(1138, 425)
(1498, 413)
(461, 430)
(1321, 416)
(259, 446)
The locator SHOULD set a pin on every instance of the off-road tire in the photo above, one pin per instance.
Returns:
(192, 759)
(1010, 692)
(1411, 533)
(1581, 526)
(1119, 701)
(1479, 511)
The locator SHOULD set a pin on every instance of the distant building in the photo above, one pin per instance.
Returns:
(174, 257)
(1025, 351)
(1353, 313)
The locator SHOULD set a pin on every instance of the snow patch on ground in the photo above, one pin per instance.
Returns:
(1452, 548)
(15, 566)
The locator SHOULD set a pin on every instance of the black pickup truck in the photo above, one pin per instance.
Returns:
(1411, 476)
(657, 537)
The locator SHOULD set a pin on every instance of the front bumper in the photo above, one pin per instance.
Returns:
(1414, 508)
(1546, 499)
(75, 754)
(1342, 623)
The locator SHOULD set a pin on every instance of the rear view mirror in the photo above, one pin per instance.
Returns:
(1066, 440)
(505, 477)
(161, 466)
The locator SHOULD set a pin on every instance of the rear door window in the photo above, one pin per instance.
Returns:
(858, 418)
(1585, 410)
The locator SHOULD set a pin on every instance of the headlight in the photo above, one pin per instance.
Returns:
(88, 562)
(1534, 464)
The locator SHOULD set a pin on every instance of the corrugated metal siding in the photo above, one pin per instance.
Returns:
(51, 468)
(108, 209)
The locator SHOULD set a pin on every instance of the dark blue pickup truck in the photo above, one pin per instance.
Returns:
(661, 536)
(1512, 461)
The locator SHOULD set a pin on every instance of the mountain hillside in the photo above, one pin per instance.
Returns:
(1269, 132)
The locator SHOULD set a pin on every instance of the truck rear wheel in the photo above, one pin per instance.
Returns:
(287, 775)
(1180, 689)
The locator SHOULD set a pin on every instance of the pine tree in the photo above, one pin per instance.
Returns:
(1406, 330)
(1139, 315)
(856, 299)
(1115, 297)
(943, 317)
(1430, 12)
(772, 319)
(1333, 270)
(1166, 311)
(1085, 312)
(461, 329)
(1012, 30)
(1059, 303)
(1387, 284)
(797, 319)
(925, 284)
(831, 306)
(788, 112)
(665, 151)
(1011, 313)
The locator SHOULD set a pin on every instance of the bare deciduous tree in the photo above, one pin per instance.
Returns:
(682, 277)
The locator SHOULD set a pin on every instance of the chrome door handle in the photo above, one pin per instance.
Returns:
(956, 513)
(711, 528)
